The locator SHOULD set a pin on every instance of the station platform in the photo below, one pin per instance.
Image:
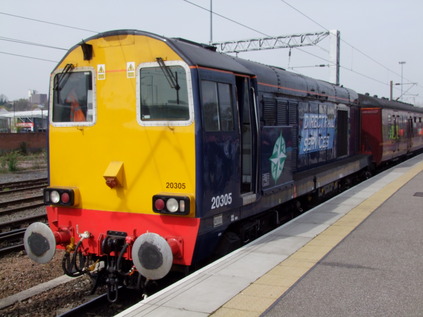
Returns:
(358, 254)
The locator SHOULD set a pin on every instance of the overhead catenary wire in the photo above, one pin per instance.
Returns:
(250, 28)
(34, 43)
(319, 57)
(226, 18)
(303, 14)
(187, 1)
(356, 49)
(8, 39)
(364, 75)
(30, 57)
(350, 45)
(48, 22)
(299, 49)
(214, 13)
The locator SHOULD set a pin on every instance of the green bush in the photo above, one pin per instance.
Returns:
(9, 161)
(23, 148)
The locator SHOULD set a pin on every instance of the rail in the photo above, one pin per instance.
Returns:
(100, 306)
(11, 187)
(13, 206)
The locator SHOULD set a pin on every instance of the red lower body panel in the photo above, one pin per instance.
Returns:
(97, 223)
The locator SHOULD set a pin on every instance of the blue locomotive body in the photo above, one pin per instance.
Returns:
(265, 136)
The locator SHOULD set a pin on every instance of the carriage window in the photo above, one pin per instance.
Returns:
(73, 97)
(217, 106)
(164, 95)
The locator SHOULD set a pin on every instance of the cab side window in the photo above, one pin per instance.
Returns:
(160, 100)
(217, 106)
(73, 98)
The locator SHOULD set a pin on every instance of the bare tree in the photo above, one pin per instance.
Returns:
(3, 99)
(21, 105)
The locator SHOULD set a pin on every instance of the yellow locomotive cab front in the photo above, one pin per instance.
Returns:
(121, 156)
(118, 128)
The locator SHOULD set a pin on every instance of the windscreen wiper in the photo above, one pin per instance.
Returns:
(173, 81)
(171, 78)
(63, 77)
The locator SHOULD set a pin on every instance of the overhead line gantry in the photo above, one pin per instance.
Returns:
(288, 41)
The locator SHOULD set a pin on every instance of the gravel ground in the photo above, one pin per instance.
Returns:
(39, 211)
(26, 171)
(18, 273)
(22, 175)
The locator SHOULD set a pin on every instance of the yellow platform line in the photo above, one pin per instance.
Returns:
(260, 295)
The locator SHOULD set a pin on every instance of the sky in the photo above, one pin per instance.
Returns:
(376, 35)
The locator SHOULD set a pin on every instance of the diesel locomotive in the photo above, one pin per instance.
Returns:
(163, 152)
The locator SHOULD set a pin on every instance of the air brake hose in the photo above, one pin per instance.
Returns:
(68, 264)
(119, 264)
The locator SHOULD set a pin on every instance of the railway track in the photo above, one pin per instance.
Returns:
(13, 187)
(12, 232)
(15, 198)
(19, 196)
(17, 205)
(100, 306)
(13, 239)
(21, 223)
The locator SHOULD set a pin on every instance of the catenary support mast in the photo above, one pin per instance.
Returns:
(289, 41)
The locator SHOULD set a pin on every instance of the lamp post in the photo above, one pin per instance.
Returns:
(211, 21)
(402, 77)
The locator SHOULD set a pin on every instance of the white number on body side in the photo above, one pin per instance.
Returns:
(221, 200)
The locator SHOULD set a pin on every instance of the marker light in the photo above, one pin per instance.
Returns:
(159, 204)
(171, 204)
(182, 205)
(61, 196)
(65, 198)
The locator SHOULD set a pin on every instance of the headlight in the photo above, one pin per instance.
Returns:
(54, 196)
(172, 205)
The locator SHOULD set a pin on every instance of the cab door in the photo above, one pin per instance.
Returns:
(229, 144)
(248, 134)
(220, 139)
(410, 134)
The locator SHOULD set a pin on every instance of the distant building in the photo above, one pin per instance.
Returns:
(4, 121)
(37, 99)
(23, 121)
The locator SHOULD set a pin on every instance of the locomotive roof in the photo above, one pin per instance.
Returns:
(375, 102)
(287, 82)
(196, 54)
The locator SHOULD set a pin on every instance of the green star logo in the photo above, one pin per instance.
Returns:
(277, 160)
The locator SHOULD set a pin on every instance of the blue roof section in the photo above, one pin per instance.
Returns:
(286, 82)
(203, 55)
(206, 56)
(369, 101)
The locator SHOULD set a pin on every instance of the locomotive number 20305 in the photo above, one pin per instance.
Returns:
(175, 185)
(221, 200)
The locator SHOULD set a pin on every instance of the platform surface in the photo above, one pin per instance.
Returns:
(358, 254)
(377, 270)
